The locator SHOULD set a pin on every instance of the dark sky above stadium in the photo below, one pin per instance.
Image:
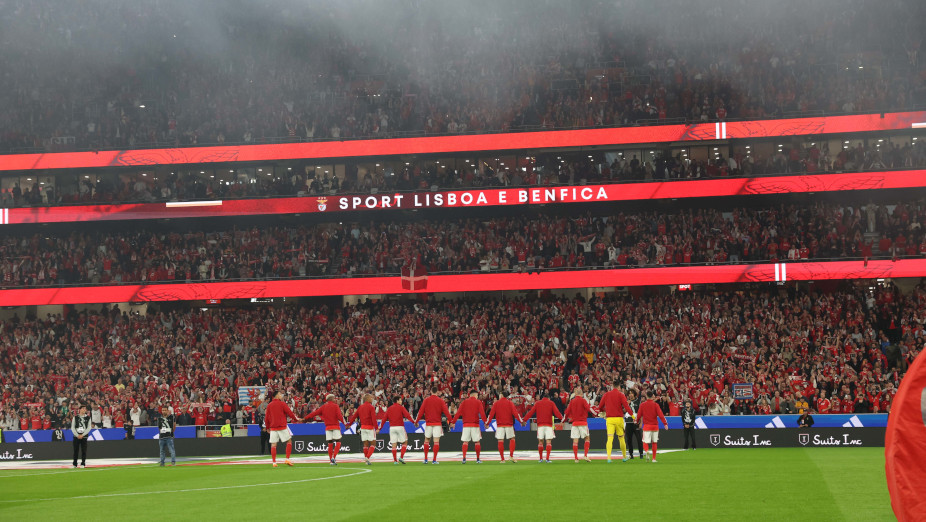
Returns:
(118, 41)
(118, 31)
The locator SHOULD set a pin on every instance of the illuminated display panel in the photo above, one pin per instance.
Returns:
(768, 272)
(473, 198)
(469, 143)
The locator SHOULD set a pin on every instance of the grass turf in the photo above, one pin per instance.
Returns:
(717, 484)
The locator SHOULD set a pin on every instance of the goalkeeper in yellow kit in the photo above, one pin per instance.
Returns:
(614, 405)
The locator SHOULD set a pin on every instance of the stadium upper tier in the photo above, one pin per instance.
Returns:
(853, 344)
(98, 76)
(814, 163)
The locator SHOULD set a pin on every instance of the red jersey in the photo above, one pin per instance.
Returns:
(431, 409)
(366, 414)
(504, 412)
(331, 415)
(545, 409)
(276, 415)
(396, 415)
(649, 414)
(471, 410)
(614, 404)
(578, 410)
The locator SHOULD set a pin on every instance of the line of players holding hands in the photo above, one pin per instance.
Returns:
(613, 404)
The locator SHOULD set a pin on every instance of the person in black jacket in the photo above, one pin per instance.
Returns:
(688, 422)
(166, 426)
(805, 420)
(264, 434)
(80, 429)
(632, 430)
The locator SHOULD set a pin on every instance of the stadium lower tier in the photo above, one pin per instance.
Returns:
(789, 348)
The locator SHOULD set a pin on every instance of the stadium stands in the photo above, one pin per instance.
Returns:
(853, 344)
(672, 236)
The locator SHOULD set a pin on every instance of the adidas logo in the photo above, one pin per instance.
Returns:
(854, 422)
(699, 424)
(27, 437)
(776, 423)
(95, 435)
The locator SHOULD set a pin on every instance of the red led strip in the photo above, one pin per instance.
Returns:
(468, 143)
(475, 198)
(769, 272)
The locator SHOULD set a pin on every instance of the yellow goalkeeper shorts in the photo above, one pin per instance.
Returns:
(615, 426)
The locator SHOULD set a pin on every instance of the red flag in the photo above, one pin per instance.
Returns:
(414, 277)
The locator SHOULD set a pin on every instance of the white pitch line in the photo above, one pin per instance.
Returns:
(109, 468)
(359, 471)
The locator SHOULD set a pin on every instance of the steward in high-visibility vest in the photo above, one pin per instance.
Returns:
(227, 429)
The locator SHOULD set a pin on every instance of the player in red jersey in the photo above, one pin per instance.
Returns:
(545, 409)
(395, 416)
(275, 421)
(471, 410)
(366, 415)
(648, 415)
(432, 408)
(330, 414)
(579, 410)
(505, 413)
(615, 405)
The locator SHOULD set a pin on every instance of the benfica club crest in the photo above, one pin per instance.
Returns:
(715, 439)
(322, 204)
(803, 438)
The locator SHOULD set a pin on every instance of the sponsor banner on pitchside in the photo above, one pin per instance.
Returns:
(752, 422)
(795, 437)
(315, 444)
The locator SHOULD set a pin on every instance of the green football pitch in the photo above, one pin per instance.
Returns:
(711, 484)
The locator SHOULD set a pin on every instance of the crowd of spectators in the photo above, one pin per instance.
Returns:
(680, 236)
(103, 74)
(851, 346)
(422, 175)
